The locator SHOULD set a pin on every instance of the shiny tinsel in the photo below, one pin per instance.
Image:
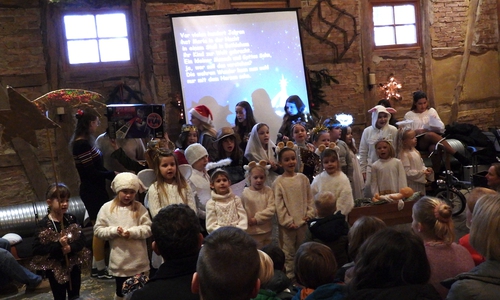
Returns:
(61, 271)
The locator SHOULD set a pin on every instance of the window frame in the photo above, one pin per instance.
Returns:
(418, 24)
(124, 65)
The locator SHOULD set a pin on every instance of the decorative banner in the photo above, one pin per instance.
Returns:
(75, 98)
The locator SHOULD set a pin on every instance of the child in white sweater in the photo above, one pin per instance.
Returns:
(225, 208)
(388, 174)
(294, 206)
(125, 223)
(258, 200)
(333, 180)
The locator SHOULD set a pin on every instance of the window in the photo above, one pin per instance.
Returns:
(96, 38)
(395, 24)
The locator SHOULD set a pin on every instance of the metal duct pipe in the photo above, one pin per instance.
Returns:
(23, 218)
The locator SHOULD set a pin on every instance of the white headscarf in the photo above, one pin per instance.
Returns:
(254, 150)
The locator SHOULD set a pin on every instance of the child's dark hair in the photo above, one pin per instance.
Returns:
(228, 265)
(363, 228)
(417, 95)
(57, 190)
(331, 153)
(176, 231)
(249, 114)
(218, 172)
(286, 149)
(83, 119)
(343, 136)
(237, 153)
(391, 258)
(314, 265)
(277, 255)
(183, 137)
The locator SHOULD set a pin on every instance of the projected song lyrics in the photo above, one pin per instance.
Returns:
(220, 56)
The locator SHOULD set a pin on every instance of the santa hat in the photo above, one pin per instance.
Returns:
(202, 113)
(127, 180)
(195, 152)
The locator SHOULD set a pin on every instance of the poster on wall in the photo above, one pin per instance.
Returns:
(232, 56)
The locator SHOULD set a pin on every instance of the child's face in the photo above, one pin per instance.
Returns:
(382, 120)
(126, 196)
(241, 114)
(263, 133)
(348, 136)
(335, 133)
(289, 161)
(192, 138)
(330, 165)
(291, 108)
(168, 169)
(323, 139)
(58, 206)
(221, 184)
(299, 134)
(228, 145)
(201, 163)
(382, 150)
(195, 121)
(257, 178)
(410, 139)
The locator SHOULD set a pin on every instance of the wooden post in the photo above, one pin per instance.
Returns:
(428, 81)
(469, 34)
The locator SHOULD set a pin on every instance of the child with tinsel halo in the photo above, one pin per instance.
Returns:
(294, 205)
(59, 245)
(125, 223)
(225, 208)
(417, 174)
(258, 200)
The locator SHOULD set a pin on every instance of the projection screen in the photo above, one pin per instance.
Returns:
(231, 56)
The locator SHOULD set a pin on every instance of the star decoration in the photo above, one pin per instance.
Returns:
(22, 119)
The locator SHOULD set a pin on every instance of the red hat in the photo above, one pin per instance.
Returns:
(202, 113)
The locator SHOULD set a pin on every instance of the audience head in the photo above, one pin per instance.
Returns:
(493, 176)
(197, 156)
(325, 204)
(363, 228)
(485, 228)
(176, 232)
(228, 266)
(294, 106)
(188, 136)
(420, 103)
(277, 255)
(432, 220)
(244, 114)
(472, 200)
(390, 258)
(314, 265)
(266, 270)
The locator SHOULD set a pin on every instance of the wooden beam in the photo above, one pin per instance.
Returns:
(469, 35)
(428, 81)
(31, 167)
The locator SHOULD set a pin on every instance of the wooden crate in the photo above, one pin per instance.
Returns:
(388, 212)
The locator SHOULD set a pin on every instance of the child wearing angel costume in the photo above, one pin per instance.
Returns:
(333, 180)
(379, 129)
(388, 174)
(258, 200)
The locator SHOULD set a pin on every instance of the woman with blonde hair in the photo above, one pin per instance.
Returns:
(482, 282)
(433, 223)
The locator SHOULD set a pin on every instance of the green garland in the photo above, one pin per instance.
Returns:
(317, 80)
